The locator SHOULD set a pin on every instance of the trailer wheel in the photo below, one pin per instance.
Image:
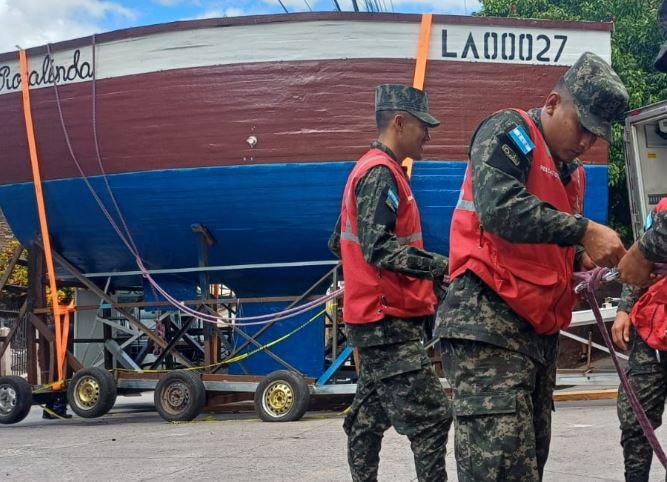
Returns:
(92, 392)
(15, 399)
(282, 396)
(180, 396)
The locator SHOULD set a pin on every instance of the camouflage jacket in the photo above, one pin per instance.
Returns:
(654, 243)
(629, 296)
(376, 219)
(472, 310)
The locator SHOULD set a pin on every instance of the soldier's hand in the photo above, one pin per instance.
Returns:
(620, 330)
(603, 245)
(586, 263)
(635, 269)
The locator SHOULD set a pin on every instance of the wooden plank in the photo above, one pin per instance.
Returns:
(73, 362)
(567, 396)
(216, 401)
(36, 299)
(41, 327)
(44, 330)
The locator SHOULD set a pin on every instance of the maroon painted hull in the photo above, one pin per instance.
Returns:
(299, 112)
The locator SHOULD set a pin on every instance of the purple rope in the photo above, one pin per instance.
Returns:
(127, 238)
(593, 279)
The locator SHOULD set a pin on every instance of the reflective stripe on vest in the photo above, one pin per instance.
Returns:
(465, 205)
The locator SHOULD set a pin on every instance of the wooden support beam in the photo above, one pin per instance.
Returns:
(130, 318)
(566, 396)
(170, 347)
(36, 299)
(48, 335)
(211, 344)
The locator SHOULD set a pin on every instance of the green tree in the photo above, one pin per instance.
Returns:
(635, 41)
(20, 273)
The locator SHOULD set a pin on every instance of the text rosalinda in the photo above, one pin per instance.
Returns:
(48, 74)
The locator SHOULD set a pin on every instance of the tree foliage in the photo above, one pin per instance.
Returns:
(635, 41)
(19, 275)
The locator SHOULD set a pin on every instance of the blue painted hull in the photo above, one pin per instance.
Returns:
(270, 213)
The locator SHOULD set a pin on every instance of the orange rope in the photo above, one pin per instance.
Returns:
(60, 341)
(420, 68)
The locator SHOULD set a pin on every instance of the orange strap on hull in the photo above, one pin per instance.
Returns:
(420, 68)
(60, 341)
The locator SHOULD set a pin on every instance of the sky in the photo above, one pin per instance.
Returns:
(28, 23)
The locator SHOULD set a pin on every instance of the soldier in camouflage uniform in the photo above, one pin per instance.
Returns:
(647, 372)
(397, 385)
(637, 265)
(501, 370)
(635, 268)
(647, 368)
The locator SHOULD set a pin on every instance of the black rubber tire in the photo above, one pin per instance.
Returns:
(91, 392)
(16, 397)
(180, 396)
(291, 397)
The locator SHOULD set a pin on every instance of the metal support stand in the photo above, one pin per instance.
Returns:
(253, 339)
(71, 269)
(211, 332)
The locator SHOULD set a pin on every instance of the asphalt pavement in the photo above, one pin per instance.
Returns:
(133, 443)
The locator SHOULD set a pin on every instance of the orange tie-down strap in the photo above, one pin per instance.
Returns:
(41, 210)
(420, 68)
(61, 349)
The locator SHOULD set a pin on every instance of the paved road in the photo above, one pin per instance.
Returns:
(134, 443)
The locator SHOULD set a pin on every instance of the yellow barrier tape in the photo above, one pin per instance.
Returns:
(236, 358)
(52, 413)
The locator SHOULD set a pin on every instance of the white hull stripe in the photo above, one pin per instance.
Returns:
(312, 40)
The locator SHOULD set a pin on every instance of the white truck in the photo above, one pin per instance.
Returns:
(645, 139)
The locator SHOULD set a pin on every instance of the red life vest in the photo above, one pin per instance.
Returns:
(533, 279)
(372, 293)
(649, 314)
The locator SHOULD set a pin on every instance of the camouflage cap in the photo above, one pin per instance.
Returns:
(598, 93)
(661, 59)
(405, 98)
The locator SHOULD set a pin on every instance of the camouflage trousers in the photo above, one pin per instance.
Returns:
(397, 387)
(502, 411)
(648, 375)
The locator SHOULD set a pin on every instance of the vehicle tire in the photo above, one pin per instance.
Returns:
(91, 392)
(15, 399)
(282, 396)
(179, 396)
